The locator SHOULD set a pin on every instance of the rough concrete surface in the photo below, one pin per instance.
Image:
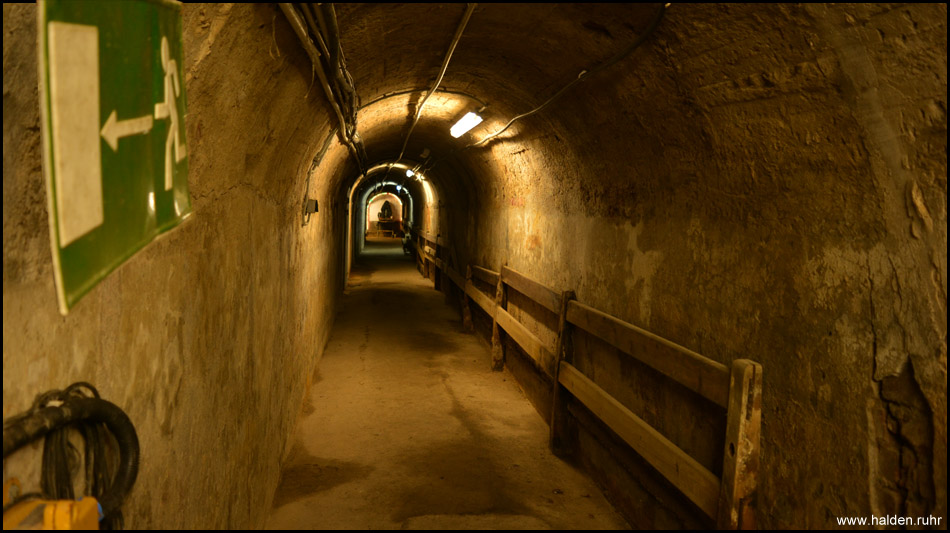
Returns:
(767, 183)
(406, 426)
(207, 336)
(763, 181)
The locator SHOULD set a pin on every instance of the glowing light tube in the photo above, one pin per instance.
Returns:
(469, 121)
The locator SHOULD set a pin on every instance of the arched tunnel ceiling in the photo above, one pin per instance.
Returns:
(511, 57)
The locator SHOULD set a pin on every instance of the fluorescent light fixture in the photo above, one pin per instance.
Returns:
(469, 121)
(409, 173)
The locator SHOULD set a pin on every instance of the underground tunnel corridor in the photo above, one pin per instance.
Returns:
(415, 431)
(683, 264)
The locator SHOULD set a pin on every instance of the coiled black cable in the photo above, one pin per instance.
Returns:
(104, 428)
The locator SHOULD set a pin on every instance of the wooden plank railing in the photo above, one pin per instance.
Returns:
(547, 297)
(456, 278)
(685, 473)
(541, 353)
(701, 374)
(485, 275)
(483, 300)
(728, 499)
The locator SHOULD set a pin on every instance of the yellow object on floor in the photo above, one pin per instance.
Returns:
(53, 514)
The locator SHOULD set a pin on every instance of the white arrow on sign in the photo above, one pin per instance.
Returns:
(114, 129)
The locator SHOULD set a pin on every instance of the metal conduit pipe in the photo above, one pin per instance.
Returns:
(445, 66)
(583, 76)
(330, 45)
(410, 91)
(324, 48)
(332, 32)
(298, 25)
(346, 95)
(316, 31)
(319, 17)
(294, 18)
(317, 159)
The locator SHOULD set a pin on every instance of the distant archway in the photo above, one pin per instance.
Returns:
(377, 223)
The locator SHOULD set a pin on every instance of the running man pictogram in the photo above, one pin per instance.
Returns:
(169, 109)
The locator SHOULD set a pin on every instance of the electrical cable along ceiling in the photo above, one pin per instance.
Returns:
(499, 58)
(329, 65)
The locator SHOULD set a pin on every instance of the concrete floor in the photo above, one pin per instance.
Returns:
(407, 427)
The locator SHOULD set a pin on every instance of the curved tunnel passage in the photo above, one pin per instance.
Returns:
(407, 427)
(764, 182)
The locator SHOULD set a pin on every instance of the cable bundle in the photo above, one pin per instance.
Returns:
(316, 27)
(106, 432)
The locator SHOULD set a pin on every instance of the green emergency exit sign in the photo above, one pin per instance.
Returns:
(113, 105)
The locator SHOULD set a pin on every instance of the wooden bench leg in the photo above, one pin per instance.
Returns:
(466, 303)
(497, 335)
(740, 464)
(563, 429)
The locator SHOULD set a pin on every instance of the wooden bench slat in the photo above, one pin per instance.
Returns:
(545, 296)
(456, 278)
(529, 342)
(487, 303)
(701, 374)
(488, 276)
(698, 484)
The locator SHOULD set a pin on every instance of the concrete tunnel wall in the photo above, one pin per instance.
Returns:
(764, 182)
(209, 336)
(757, 181)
